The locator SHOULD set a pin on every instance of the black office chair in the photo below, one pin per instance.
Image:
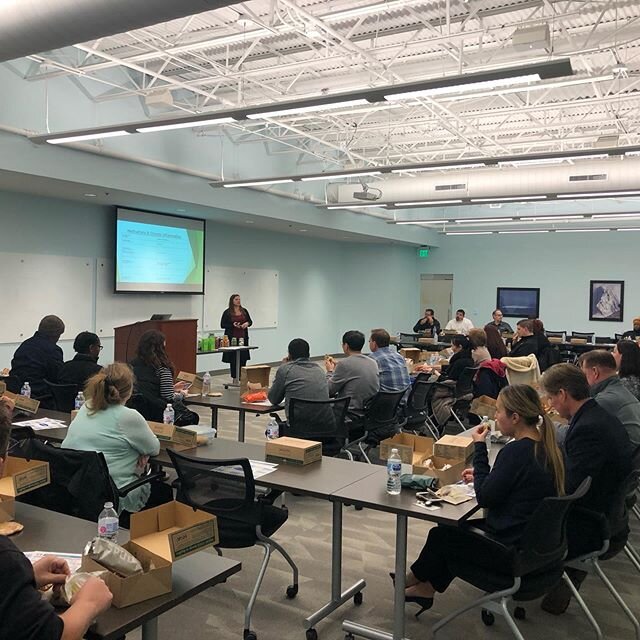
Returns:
(64, 396)
(380, 421)
(556, 334)
(13, 383)
(582, 336)
(322, 420)
(80, 480)
(618, 337)
(604, 340)
(415, 412)
(408, 337)
(523, 572)
(226, 489)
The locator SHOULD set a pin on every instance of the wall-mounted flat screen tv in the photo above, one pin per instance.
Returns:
(518, 302)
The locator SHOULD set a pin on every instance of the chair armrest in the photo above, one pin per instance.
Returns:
(504, 555)
(123, 491)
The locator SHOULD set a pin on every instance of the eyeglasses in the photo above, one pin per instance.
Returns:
(100, 347)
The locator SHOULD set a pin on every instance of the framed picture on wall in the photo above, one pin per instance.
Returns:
(606, 300)
(518, 302)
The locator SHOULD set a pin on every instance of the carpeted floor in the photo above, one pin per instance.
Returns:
(368, 553)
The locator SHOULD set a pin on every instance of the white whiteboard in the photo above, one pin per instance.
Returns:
(42, 285)
(258, 289)
(114, 310)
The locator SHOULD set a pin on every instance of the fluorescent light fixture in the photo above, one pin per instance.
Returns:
(423, 221)
(598, 194)
(184, 125)
(551, 218)
(557, 160)
(89, 136)
(255, 183)
(471, 165)
(463, 220)
(308, 109)
(370, 8)
(530, 231)
(341, 175)
(462, 87)
(469, 233)
(629, 229)
(355, 206)
(580, 230)
(509, 199)
(617, 216)
(425, 202)
(632, 153)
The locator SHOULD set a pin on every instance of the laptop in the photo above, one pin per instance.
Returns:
(161, 316)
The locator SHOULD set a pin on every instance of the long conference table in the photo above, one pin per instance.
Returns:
(340, 482)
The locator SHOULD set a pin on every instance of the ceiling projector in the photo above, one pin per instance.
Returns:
(365, 195)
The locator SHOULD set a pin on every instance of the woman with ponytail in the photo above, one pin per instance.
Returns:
(104, 424)
(526, 470)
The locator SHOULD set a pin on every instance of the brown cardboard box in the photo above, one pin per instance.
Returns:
(410, 447)
(484, 406)
(427, 340)
(578, 341)
(293, 451)
(555, 339)
(3, 387)
(193, 379)
(256, 375)
(412, 353)
(158, 537)
(28, 405)
(177, 438)
(445, 476)
(20, 476)
(454, 448)
(7, 508)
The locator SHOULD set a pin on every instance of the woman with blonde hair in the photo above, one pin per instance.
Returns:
(526, 470)
(104, 424)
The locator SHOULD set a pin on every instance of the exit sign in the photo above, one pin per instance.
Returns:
(423, 253)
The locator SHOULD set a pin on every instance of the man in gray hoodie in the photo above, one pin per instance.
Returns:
(608, 391)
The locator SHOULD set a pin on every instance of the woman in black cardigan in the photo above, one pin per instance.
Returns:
(236, 321)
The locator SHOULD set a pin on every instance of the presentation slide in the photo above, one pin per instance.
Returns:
(157, 253)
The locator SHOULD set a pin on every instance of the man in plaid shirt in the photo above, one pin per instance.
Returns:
(393, 369)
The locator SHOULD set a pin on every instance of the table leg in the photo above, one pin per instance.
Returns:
(236, 381)
(214, 418)
(150, 629)
(398, 602)
(338, 597)
(241, 425)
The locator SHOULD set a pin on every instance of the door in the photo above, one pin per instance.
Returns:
(436, 291)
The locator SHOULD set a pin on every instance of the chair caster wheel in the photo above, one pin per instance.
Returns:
(249, 635)
(358, 507)
(488, 618)
(519, 613)
(292, 591)
(357, 598)
(312, 634)
(349, 636)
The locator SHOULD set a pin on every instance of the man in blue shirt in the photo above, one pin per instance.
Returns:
(393, 369)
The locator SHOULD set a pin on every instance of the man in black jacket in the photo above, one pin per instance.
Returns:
(596, 445)
(39, 358)
(85, 363)
(428, 324)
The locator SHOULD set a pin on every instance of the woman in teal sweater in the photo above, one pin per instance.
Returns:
(104, 424)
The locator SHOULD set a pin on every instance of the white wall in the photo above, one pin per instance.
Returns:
(560, 264)
(325, 287)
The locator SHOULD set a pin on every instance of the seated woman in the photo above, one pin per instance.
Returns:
(479, 351)
(527, 470)
(104, 424)
(461, 359)
(154, 374)
(495, 343)
(627, 356)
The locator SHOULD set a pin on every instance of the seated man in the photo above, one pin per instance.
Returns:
(39, 358)
(391, 365)
(355, 376)
(526, 342)
(634, 334)
(599, 366)
(298, 377)
(460, 324)
(499, 323)
(596, 445)
(428, 324)
(24, 613)
(85, 363)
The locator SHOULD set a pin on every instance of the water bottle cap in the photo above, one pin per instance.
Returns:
(169, 405)
(108, 505)
(394, 451)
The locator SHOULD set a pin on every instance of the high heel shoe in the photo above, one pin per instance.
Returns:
(425, 603)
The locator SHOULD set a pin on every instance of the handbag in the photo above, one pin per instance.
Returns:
(183, 416)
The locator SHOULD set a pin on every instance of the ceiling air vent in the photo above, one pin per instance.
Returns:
(450, 187)
(593, 176)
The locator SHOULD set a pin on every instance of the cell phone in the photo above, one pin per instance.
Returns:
(428, 496)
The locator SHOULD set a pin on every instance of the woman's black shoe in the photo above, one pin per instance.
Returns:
(425, 603)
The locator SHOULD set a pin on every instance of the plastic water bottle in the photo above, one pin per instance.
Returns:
(169, 414)
(206, 383)
(26, 390)
(394, 470)
(79, 401)
(108, 523)
(273, 430)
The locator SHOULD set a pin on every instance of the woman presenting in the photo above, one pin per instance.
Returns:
(235, 321)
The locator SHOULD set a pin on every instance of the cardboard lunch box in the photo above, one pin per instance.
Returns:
(445, 476)
(454, 448)
(251, 377)
(411, 448)
(411, 353)
(484, 406)
(194, 380)
(19, 477)
(293, 451)
(178, 438)
(28, 405)
(159, 536)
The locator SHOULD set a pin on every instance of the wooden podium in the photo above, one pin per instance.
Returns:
(181, 338)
